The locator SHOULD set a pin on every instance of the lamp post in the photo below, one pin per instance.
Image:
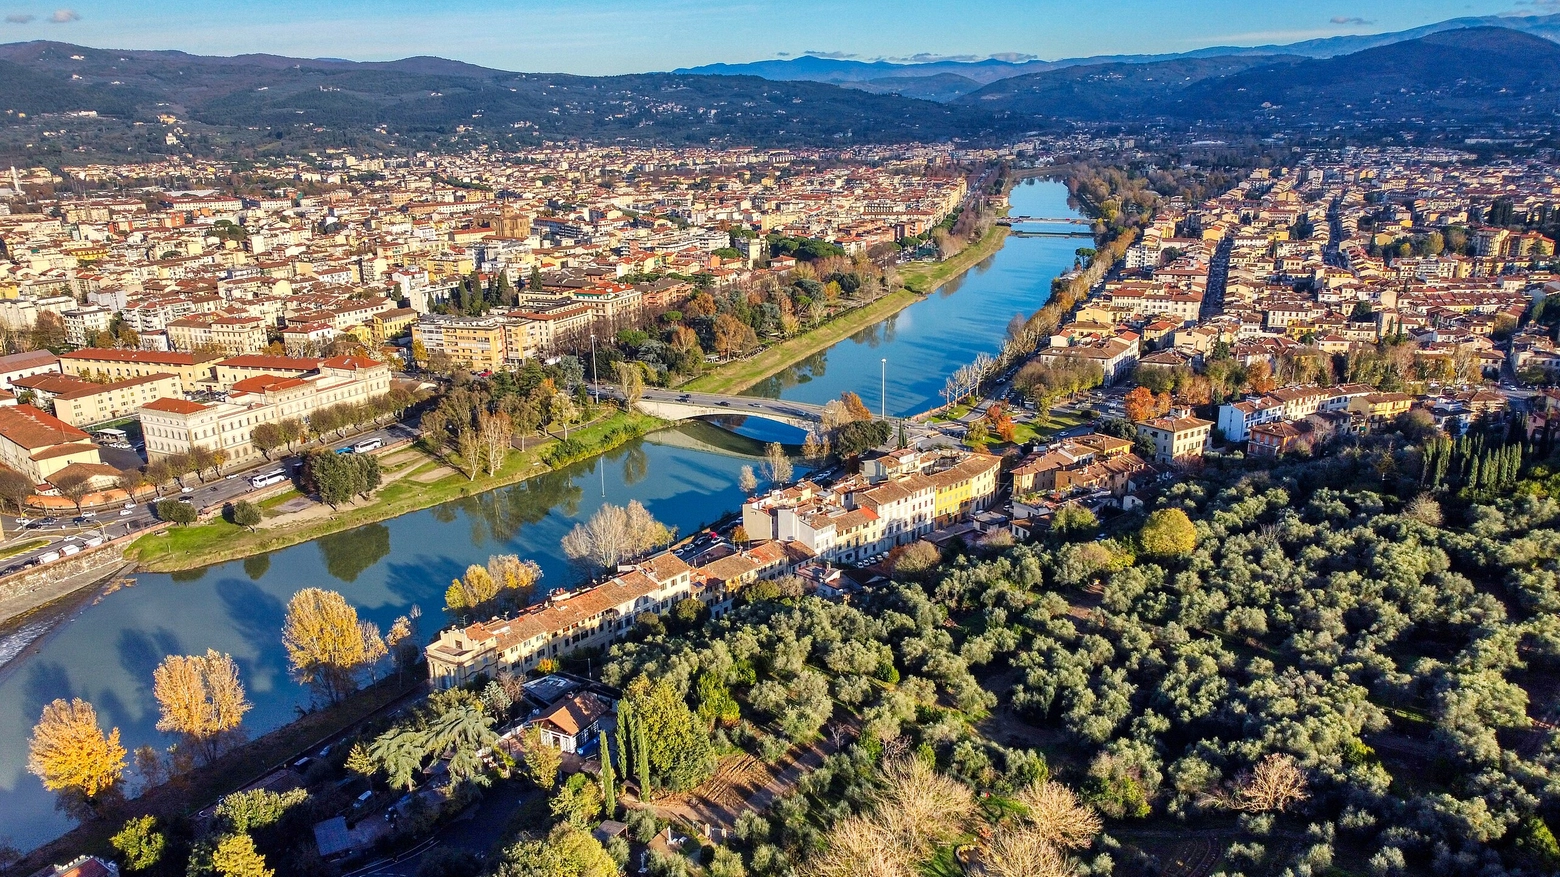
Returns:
(883, 389)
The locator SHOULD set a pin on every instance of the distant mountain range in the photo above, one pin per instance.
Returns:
(931, 80)
(260, 104)
(1464, 76)
(425, 97)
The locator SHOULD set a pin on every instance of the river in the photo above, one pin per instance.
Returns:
(105, 651)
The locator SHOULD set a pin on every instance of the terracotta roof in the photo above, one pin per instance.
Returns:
(350, 362)
(262, 383)
(286, 363)
(575, 714)
(154, 357)
(31, 428)
(30, 359)
(174, 406)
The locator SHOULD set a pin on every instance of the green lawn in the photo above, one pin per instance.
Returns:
(22, 547)
(924, 277)
(216, 541)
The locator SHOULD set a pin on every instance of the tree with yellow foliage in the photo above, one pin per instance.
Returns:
(327, 645)
(236, 856)
(70, 752)
(201, 699)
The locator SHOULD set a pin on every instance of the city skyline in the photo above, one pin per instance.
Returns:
(618, 36)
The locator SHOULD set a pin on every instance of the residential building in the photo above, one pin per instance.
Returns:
(40, 445)
(80, 402)
(1177, 439)
(192, 368)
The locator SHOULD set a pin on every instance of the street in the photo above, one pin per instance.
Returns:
(114, 521)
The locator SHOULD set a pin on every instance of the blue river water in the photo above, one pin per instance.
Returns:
(105, 651)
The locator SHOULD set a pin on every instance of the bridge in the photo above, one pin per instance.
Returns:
(1069, 220)
(674, 405)
(1019, 233)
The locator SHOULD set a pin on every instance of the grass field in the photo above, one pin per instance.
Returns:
(217, 540)
(925, 277)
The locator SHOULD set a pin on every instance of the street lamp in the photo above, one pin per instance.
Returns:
(883, 389)
(595, 382)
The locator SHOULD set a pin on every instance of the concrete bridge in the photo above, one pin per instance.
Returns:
(674, 405)
(1070, 220)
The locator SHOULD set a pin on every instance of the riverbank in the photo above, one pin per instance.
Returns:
(919, 279)
(412, 484)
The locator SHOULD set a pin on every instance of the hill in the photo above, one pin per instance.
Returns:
(879, 73)
(301, 100)
(1465, 75)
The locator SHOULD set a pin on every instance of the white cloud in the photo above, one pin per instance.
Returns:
(1350, 19)
(65, 16)
(18, 18)
(832, 56)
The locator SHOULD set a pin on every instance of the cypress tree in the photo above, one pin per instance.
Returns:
(642, 758)
(608, 782)
(625, 720)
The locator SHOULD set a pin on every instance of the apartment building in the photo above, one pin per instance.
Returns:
(230, 335)
(898, 497)
(192, 368)
(593, 617)
(80, 402)
(477, 343)
(1177, 439)
(175, 426)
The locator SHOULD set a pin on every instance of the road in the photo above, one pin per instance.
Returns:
(112, 522)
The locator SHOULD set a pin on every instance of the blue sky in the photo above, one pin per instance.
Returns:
(624, 36)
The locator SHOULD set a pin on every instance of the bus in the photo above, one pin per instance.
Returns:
(367, 445)
(266, 479)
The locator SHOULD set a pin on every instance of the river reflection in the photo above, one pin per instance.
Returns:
(927, 341)
(686, 476)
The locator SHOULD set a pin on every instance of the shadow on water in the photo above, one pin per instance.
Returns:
(256, 615)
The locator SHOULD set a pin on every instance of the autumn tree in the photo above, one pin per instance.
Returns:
(69, 752)
(16, 488)
(1058, 816)
(1139, 404)
(327, 645)
(777, 466)
(747, 482)
(236, 856)
(267, 437)
(201, 699)
(1021, 851)
(140, 843)
(855, 409)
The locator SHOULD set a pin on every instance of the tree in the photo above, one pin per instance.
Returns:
(360, 762)
(74, 486)
(539, 761)
(201, 699)
(246, 514)
(977, 434)
(494, 432)
(855, 409)
(777, 466)
(915, 559)
(176, 511)
(578, 801)
(569, 851)
(631, 382)
(1058, 816)
(16, 488)
(1139, 404)
(674, 742)
(236, 856)
(1023, 852)
(1073, 520)
(461, 733)
(70, 753)
(1276, 782)
(614, 534)
(139, 843)
(747, 482)
(327, 645)
(1168, 533)
(267, 437)
(399, 752)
